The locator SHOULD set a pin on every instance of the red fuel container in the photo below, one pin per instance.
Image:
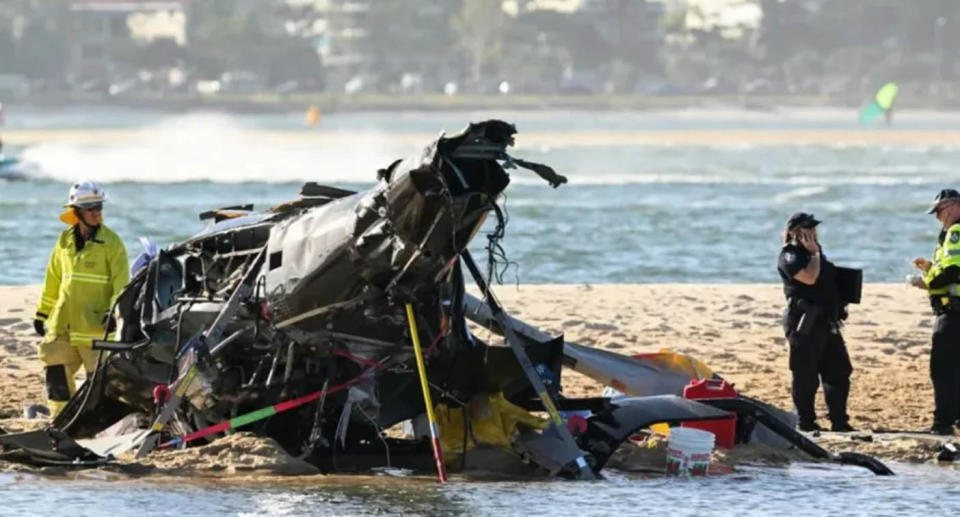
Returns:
(724, 429)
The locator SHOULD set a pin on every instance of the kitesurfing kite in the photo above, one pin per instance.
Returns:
(882, 104)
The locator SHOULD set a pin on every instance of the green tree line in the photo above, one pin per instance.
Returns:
(799, 46)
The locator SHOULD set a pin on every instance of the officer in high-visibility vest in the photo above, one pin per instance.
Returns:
(86, 272)
(811, 323)
(941, 280)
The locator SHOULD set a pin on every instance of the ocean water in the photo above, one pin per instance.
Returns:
(801, 490)
(688, 213)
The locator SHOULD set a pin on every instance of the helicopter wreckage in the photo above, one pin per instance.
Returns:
(303, 323)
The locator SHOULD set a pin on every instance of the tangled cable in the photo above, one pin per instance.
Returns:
(497, 262)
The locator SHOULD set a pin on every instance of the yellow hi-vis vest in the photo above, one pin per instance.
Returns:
(80, 286)
(946, 254)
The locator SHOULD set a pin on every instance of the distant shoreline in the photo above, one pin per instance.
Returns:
(331, 103)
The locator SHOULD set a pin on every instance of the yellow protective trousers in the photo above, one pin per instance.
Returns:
(61, 362)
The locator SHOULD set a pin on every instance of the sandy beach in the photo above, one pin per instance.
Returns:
(735, 329)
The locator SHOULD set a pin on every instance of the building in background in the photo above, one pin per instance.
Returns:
(730, 17)
(101, 26)
(338, 30)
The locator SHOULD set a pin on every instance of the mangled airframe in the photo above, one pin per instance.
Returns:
(298, 323)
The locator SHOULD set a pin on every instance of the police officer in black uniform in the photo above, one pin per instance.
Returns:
(811, 322)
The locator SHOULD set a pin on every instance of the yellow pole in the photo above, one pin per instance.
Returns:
(431, 418)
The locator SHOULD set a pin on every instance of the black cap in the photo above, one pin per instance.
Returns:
(802, 220)
(947, 194)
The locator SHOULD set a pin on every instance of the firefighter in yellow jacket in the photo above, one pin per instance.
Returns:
(87, 270)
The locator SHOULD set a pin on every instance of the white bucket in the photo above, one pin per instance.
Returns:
(689, 451)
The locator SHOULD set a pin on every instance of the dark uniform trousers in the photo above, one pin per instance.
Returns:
(819, 355)
(945, 368)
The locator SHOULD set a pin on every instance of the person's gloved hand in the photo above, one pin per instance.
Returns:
(39, 328)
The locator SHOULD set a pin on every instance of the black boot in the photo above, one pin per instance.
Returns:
(842, 427)
(942, 430)
(808, 426)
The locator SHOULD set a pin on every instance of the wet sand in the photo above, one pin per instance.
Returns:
(735, 329)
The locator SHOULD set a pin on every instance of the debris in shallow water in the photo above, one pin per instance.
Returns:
(650, 455)
(948, 452)
(248, 321)
(247, 317)
(392, 471)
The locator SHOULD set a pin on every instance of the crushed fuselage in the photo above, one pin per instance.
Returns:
(296, 316)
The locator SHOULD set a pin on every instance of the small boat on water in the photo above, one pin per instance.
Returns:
(12, 168)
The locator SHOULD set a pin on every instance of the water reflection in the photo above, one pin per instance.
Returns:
(798, 490)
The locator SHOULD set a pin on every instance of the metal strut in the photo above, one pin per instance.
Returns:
(572, 452)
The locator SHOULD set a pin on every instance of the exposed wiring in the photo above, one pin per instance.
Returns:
(497, 262)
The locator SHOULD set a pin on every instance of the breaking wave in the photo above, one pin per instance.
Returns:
(801, 193)
(215, 148)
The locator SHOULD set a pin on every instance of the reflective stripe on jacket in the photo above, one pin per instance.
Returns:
(80, 286)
